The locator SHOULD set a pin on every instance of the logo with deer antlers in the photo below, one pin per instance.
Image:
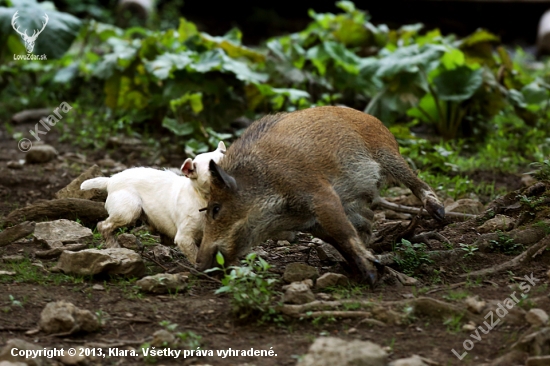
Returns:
(29, 40)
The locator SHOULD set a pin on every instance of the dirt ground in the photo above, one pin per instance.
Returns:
(130, 318)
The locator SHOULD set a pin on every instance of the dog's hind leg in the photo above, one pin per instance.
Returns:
(124, 208)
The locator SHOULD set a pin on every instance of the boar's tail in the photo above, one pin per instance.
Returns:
(98, 183)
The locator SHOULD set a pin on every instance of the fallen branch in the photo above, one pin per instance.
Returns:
(89, 212)
(16, 232)
(30, 114)
(515, 262)
(419, 211)
(198, 273)
(450, 287)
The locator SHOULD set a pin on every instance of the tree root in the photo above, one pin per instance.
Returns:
(89, 212)
(17, 232)
(526, 256)
(416, 211)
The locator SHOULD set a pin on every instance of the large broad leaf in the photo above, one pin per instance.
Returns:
(56, 37)
(409, 59)
(458, 84)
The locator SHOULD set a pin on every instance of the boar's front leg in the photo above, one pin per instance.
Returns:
(334, 227)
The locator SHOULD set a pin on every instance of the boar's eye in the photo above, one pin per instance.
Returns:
(215, 210)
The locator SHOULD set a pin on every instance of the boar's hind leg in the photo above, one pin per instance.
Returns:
(334, 226)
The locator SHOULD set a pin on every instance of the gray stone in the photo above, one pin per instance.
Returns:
(64, 317)
(162, 253)
(299, 271)
(537, 317)
(14, 258)
(330, 279)
(163, 283)
(330, 351)
(114, 261)
(55, 234)
(298, 293)
(475, 305)
(5, 353)
(15, 164)
(465, 205)
(499, 222)
(128, 241)
(414, 360)
(327, 252)
(73, 189)
(9, 363)
(163, 338)
(39, 154)
(78, 359)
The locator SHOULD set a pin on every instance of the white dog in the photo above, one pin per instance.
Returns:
(169, 202)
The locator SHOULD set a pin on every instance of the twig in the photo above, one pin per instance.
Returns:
(414, 210)
(195, 272)
(450, 287)
(156, 262)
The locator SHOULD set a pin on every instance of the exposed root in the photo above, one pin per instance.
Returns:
(17, 232)
(526, 256)
(449, 287)
(424, 237)
(416, 211)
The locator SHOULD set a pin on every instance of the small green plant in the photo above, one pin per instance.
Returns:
(469, 249)
(542, 169)
(251, 286)
(453, 323)
(15, 302)
(545, 226)
(191, 339)
(505, 244)
(411, 256)
(531, 202)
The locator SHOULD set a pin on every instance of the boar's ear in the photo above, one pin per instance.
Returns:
(220, 178)
(188, 169)
(221, 147)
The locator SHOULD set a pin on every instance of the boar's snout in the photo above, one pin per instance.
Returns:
(206, 258)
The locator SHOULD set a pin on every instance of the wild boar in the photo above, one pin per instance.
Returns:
(316, 170)
(170, 203)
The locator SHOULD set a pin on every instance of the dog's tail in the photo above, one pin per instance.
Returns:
(98, 183)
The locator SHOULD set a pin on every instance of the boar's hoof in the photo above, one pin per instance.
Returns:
(435, 209)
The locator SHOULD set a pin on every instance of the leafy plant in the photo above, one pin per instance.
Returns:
(505, 244)
(410, 256)
(470, 249)
(251, 287)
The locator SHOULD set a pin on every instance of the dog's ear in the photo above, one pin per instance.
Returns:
(221, 147)
(188, 169)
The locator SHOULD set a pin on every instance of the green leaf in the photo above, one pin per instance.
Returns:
(533, 93)
(479, 36)
(177, 128)
(57, 36)
(410, 59)
(164, 64)
(459, 84)
(220, 259)
(453, 58)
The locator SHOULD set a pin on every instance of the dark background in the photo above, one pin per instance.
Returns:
(516, 22)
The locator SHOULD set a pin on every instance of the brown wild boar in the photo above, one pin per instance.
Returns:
(316, 170)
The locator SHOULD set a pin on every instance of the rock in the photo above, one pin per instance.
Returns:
(474, 304)
(114, 261)
(98, 287)
(15, 164)
(299, 271)
(468, 327)
(64, 317)
(128, 241)
(388, 316)
(330, 351)
(330, 279)
(163, 282)
(323, 296)
(78, 359)
(9, 363)
(163, 338)
(327, 252)
(21, 345)
(15, 258)
(54, 234)
(14, 233)
(40, 154)
(499, 222)
(298, 293)
(465, 205)
(414, 360)
(538, 361)
(73, 189)
(537, 317)
(162, 253)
